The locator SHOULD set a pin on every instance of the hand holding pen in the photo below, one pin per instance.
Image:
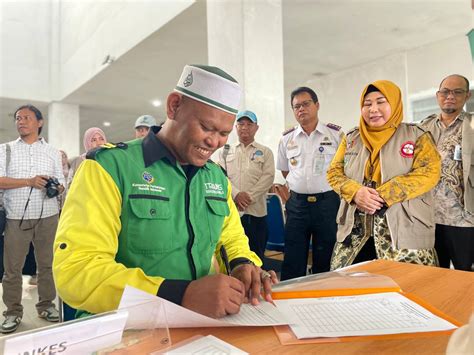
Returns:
(220, 295)
(254, 279)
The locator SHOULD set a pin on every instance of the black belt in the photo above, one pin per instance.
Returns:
(312, 197)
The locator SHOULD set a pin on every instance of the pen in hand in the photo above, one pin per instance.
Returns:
(225, 259)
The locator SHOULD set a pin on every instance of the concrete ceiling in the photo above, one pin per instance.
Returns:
(319, 37)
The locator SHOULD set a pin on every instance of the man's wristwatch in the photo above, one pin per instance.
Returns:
(241, 263)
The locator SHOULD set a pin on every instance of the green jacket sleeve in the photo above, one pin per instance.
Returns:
(233, 237)
(85, 271)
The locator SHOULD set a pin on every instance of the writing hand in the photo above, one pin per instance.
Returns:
(254, 279)
(214, 296)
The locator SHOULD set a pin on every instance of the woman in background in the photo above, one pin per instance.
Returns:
(383, 170)
(93, 138)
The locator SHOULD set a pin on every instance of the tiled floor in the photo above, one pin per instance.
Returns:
(30, 317)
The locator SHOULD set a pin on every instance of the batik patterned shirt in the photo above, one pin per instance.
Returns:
(448, 194)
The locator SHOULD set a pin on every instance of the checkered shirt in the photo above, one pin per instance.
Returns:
(27, 161)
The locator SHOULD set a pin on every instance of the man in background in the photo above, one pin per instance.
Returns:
(32, 214)
(453, 133)
(304, 155)
(251, 169)
(143, 124)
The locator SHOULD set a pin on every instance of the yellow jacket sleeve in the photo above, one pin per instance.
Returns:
(341, 184)
(233, 237)
(86, 274)
(423, 176)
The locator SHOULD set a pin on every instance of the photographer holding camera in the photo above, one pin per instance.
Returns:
(32, 178)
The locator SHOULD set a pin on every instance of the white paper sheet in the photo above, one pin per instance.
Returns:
(374, 314)
(144, 313)
(83, 336)
(208, 345)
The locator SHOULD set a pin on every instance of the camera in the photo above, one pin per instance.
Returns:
(52, 185)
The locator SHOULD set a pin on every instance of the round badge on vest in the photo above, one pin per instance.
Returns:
(407, 149)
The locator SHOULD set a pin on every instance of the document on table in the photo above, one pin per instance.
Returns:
(206, 345)
(145, 310)
(373, 314)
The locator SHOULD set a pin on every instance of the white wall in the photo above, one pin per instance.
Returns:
(49, 48)
(428, 65)
(239, 32)
(25, 46)
(415, 71)
(91, 30)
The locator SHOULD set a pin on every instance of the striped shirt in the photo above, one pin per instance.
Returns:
(27, 161)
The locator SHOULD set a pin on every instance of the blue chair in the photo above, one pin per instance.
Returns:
(276, 222)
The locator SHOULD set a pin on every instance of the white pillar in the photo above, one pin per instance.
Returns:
(63, 128)
(245, 38)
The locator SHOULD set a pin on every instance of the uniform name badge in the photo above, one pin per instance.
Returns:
(318, 164)
(458, 153)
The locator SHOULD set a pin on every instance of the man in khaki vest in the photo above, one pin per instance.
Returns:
(453, 132)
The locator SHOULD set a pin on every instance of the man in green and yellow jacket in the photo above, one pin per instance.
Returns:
(152, 213)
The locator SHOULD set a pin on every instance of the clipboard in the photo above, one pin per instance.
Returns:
(333, 284)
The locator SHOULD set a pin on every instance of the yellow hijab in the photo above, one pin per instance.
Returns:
(375, 137)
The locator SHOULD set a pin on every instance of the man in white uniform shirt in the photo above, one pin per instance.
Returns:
(32, 214)
(304, 155)
(251, 169)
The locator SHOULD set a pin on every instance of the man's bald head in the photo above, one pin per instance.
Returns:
(458, 76)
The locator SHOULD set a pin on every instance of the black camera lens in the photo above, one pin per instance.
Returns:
(52, 187)
(52, 192)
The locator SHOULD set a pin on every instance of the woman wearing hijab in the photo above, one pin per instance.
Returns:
(384, 171)
(93, 138)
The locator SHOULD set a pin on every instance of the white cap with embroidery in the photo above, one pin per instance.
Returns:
(210, 85)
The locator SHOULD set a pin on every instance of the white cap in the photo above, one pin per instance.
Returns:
(210, 85)
(145, 120)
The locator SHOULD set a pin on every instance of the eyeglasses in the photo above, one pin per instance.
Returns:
(455, 92)
(304, 104)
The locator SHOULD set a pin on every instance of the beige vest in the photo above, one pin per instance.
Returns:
(411, 223)
(467, 146)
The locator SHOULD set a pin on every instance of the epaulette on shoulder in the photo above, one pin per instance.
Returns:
(91, 154)
(353, 130)
(289, 130)
(333, 126)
